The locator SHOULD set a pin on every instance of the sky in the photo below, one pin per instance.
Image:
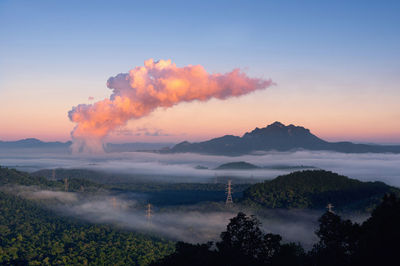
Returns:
(335, 65)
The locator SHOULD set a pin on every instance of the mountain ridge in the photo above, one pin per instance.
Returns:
(278, 137)
(273, 137)
(33, 143)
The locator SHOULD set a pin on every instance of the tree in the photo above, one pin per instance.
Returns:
(244, 243)
(338, 240)
(189, 254)
(380, 238)
(289, 254)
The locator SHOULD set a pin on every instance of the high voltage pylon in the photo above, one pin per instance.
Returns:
(149, 213)
(229, 201)
(66, 184)
(114, 202)
(330, 207)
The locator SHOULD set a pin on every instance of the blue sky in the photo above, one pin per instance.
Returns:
(61, 52)
(80, 32)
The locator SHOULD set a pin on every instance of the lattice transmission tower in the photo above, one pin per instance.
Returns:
(53, 175)
(330, 208)
(149, 213)
(229, 200)
(66, 184)
(114, 202)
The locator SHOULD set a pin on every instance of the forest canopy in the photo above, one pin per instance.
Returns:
(314, 189)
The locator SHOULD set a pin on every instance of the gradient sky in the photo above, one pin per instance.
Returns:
(336, 64)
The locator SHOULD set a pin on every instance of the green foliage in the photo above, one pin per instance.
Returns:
(32, 235)
(375, 242)
(189, 254)
(380, 234)
(14, 177)
(338, 241)
(91, 175)
(341, 242)
(159, 193)
(158, 187)
(243, 243)
(175, 194)
(315, 189)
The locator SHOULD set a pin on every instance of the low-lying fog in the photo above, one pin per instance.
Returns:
(187, 225)
(181, 167)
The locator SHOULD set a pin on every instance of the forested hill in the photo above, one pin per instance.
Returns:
(31, 234)
(10, 176)
(314, 189)
(35, 236)
(237, 166)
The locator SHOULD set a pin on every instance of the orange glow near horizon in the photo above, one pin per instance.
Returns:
(333, 113)
(200, 131)
(157, 84)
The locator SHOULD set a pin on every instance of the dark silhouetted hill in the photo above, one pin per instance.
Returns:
(237, 166)
(33, 143)
(276, 137)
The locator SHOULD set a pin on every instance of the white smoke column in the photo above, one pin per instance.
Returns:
(143, 89)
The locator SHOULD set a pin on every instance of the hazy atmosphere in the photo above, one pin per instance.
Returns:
(182, 167)
(175, 133)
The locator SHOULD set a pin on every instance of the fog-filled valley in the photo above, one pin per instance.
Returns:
(183, 167)
(190, 223)
(187, 201)
(149, 202)
(200, 133)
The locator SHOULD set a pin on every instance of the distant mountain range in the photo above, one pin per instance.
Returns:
(33, 143)
(277, 137)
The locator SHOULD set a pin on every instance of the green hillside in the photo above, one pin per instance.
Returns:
(14, 177)
(31, 234)
(314, 189)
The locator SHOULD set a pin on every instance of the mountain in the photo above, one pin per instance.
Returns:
(137, 146)
(237, 166)
(314, 189)
(277, 137)
(33, 143)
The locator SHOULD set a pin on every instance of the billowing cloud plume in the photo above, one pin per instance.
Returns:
(143, 89)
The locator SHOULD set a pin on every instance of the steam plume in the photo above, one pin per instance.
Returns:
(143, 89)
